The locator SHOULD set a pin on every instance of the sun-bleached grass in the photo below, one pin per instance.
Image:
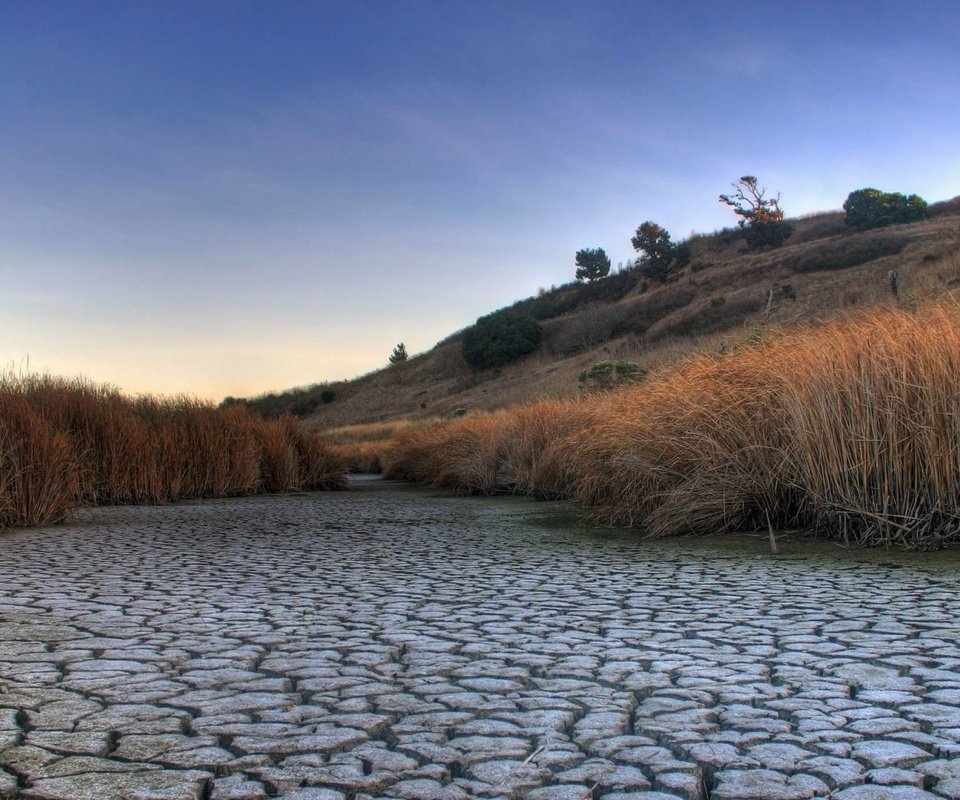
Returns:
(363, 448)
(462, 454)
(68, 443)
(850, 429)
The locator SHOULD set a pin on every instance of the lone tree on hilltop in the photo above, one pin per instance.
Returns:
(657, 252)
(871, 208)
(761, 217)
(592, 264)
(399, 354)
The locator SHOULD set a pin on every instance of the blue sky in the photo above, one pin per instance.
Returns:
(230, 197)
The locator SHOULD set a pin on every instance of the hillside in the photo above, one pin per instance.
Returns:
(722, 297)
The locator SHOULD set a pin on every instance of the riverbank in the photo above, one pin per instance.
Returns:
(393, 642)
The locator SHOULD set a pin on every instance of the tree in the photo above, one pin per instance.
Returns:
(500, 338)
(592, 264)
(657, 252)
(761, 217)
(399, 354)
(871, 208)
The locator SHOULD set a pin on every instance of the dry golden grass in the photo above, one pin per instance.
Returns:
(369, 432)
(851, 429)
(69, 443)
(461, 455)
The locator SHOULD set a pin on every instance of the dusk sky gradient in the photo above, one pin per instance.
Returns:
(230, 197)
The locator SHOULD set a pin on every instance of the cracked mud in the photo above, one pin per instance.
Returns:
(390, 643)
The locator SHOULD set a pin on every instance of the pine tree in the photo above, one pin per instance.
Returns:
(399, 354)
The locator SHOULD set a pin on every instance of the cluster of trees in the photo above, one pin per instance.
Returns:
(761, 222)
(871, 208)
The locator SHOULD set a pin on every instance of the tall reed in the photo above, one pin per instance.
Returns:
(67, 443)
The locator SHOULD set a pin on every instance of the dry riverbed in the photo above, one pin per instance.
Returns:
(391, 642)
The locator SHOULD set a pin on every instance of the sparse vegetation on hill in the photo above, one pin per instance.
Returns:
(717, 290)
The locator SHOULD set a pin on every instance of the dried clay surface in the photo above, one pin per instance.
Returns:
(392, 643)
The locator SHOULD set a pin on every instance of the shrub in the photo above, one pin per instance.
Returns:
(611, 374)
(871, 208)
(545, 309)
(609, 290)
(500, 338)
(767, 234)
(847, 252)
(587, 329)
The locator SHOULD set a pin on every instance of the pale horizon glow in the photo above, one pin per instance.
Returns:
(218, 198)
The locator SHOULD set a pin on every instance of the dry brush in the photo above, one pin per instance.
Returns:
(69, 443)
(849, 429)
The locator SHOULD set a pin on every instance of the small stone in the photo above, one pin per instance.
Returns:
(874, 792)
(128, 785)
(891, 776)
(425, 789)
(236, 787)
(312, 793)
(8, 785)
(879, 753)
(560, 792)
(765, 784)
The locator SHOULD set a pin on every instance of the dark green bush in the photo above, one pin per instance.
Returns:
(760, 236)
(500, 338)
(847, 252)
(608, 290)
(871, 208)
(545, 309)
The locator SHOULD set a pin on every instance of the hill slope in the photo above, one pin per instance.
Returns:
(722, 297)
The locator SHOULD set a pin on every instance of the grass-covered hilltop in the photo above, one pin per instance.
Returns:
(715, 294)
(784, 374)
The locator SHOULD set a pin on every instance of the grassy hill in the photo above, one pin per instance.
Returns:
(723, 297)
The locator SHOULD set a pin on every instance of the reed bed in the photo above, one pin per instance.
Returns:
(849, 429)
(69, 443)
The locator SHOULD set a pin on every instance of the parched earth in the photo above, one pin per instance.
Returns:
(393, 643)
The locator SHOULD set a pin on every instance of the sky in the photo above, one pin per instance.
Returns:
(227, 198)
